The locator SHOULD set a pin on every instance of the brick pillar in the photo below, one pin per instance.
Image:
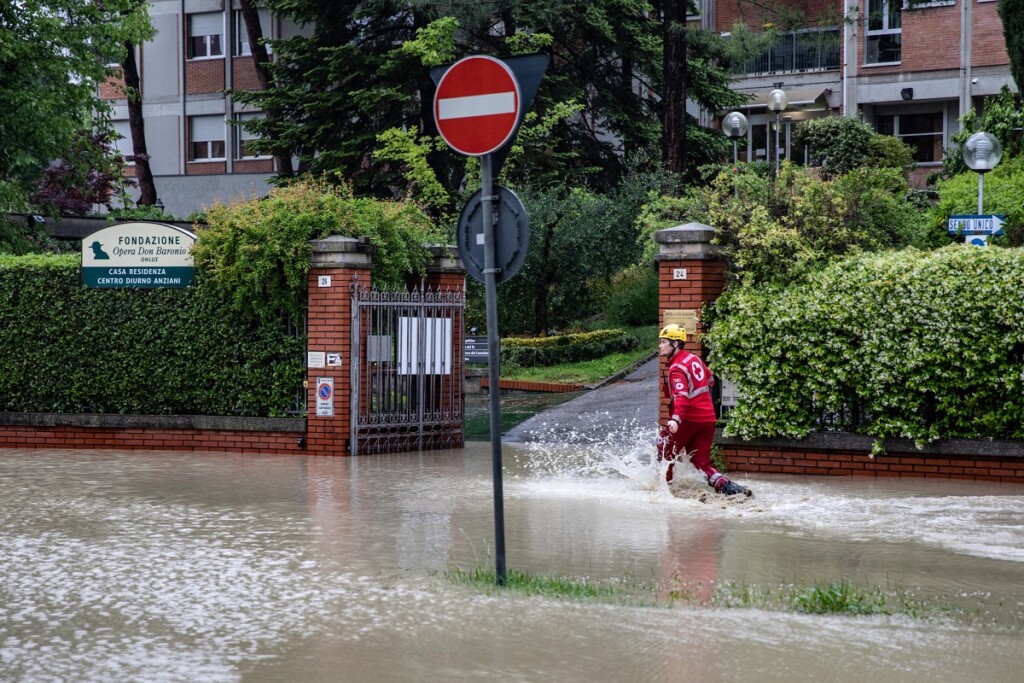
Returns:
(329, 325)
(690, 274)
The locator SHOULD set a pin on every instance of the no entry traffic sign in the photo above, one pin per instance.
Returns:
(476, 105)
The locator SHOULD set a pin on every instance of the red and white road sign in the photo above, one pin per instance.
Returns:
(476, 105)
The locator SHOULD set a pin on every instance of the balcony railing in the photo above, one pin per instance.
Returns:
(814, 50)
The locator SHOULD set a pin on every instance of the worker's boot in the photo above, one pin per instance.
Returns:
(723, 485)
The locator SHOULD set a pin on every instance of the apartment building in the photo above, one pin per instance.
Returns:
(197, 157)
(908, 70)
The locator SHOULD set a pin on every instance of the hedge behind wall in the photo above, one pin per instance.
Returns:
(920, 345)
(66, 348)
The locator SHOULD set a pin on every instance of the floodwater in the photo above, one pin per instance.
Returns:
(120, 566)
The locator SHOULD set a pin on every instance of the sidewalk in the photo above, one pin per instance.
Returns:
(613, 406)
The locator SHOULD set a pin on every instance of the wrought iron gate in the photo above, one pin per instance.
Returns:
(406, 370)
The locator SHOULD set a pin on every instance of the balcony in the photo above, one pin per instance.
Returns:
(812, 50)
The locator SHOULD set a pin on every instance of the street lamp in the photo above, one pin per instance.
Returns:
(777, 101)
(735, 126)
(982, 153)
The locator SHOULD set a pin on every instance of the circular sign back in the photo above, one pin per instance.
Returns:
(511, 235)
(476, 105)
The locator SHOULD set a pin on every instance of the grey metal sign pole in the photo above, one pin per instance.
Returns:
(488, 201)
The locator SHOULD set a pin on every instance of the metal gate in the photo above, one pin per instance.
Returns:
(406, 370)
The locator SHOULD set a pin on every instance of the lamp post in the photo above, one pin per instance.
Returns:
(735, 126)
(982, 153)
(777, 101)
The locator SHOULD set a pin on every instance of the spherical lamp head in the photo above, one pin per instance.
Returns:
(735, 124)
(982, 152)
(777, 100)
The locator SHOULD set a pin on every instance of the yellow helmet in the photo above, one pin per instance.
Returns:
(673, 332)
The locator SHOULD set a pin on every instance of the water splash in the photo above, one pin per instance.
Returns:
(624, 453)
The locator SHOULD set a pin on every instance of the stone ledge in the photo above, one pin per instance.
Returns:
(197, 422)
(842, 441)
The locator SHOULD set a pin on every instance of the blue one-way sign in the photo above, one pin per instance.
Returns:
(976, 224)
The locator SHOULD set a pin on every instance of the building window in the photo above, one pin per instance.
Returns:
(206, 138)
(923, 132)
(884, 32)
(122, 138)
(244, 138)
(242, 47)
(205, 35)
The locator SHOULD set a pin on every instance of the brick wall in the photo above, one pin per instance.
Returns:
(204, 76)
(206, 168)
(152, 432)
(782, 459)
(243, 74)
(232, 441)
(924, 30)
(112, 88)
(988, 45)
(254, 165)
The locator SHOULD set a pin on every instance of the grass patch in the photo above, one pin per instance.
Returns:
(577, 589)
(824, 598)
(839, 598)
(591, 371)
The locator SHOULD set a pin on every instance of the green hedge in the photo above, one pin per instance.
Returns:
(564, 348)
(70, 349)
(921, 345)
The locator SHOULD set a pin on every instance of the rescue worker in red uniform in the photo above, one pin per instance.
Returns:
(691, 427)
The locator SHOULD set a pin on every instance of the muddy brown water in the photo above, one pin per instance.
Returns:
(141, 566)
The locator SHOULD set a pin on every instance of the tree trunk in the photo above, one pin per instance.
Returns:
(673, 94)
(140, 153)
(261, 59)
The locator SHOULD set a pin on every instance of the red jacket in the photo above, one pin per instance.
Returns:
(688, 388)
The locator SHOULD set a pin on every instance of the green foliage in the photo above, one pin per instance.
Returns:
(257, 252)
(145, 212)
(1002, 117)
(52, 57)
(633, 297)
(579, 240)
(887, 151)
(1004, 194)
(578, 589)
(362, 67)
(784, 229)
(159, 351)
(564, 348)
(1012, 14)
(840, 144)
(839, 598)
(919, 345)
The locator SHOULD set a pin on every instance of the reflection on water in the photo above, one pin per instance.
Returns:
(179, 567)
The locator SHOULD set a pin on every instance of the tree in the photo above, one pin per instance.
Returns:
(52, 60)
(261, 61)
(352, 76)
(1001, 116)
(1012, 14)
(137, 125)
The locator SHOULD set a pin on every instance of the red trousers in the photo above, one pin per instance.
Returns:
(695, 439)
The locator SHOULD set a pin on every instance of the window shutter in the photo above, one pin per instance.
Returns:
(206, 24)
(207, 128)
